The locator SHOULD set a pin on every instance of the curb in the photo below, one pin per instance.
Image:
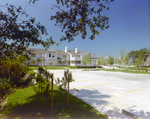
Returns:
(130, 114)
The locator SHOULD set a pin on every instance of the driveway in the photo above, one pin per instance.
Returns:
(110, 92)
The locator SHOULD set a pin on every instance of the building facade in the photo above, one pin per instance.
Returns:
(75, 57)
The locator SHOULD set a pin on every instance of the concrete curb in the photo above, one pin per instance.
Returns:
(130, 114)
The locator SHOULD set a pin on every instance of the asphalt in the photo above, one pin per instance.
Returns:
(112, 92)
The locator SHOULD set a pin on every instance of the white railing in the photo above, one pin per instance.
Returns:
(75, 58)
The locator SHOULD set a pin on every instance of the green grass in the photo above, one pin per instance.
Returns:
(72, 67)
(33, 67)
(126, 71)
(54, 67)
(27, 103)
(31, 72)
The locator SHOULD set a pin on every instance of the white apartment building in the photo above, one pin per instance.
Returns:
(74, 56)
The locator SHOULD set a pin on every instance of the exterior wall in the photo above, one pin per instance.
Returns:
(147, 63)
(74, 60)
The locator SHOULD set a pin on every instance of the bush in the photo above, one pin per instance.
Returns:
(89, 66)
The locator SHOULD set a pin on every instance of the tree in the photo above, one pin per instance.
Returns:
(133, 55)
(87, 59)
(138, 56)
(38, 60)
(59, 62)
(33, 62)
(19, 32)
(66, 80)
(122, 56)
(101, 61)
(142, 56)
(110, 60)
(119, 61)
(50, 63)
(126, 59)
(78, 16)
(68, 62)
(22, 59)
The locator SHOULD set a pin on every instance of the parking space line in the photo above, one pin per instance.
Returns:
(129, 91)
(94, 85)
(85, 80)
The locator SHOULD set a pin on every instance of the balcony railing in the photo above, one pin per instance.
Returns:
(76, 58)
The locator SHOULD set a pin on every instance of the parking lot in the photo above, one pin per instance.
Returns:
(110, 92)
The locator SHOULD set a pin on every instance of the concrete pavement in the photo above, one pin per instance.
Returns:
(110, 92)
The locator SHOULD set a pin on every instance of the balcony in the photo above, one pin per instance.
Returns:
(75, 58)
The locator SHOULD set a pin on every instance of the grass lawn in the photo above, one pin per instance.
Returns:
(33, 67)
(72, 67)
(28, 104)
(126, 71)
(54, 67)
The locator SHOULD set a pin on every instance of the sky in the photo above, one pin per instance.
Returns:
(129, 22)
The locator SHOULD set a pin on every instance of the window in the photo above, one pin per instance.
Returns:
(53, 55)
(78, 62)
(49, 55)
(64, 56)
(33, 55)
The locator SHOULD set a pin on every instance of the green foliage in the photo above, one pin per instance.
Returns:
(110, 60)
(101, 61)
(68, 62)
(65, 82)
(26, 103)
(59, 62)
(38, 60)
(79, 16)
(138, 56)
(87, 59)
(33, 62)
(50, 63)
(11, 69)
(22, 59)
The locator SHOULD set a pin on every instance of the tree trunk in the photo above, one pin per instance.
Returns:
(68, 94)
(52, 100)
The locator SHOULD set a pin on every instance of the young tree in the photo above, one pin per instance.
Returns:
(87, 59)
(101, 61)
(68, 62)
(50, 63)
(126, 59)
(66, 80)
(33, 62)
(59, 62)
(38, 60)
(122, 56)
(110, 60)
(119, 61)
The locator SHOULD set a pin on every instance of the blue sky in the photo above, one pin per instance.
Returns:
(129, 22)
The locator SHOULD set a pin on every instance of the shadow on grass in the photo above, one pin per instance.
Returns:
(39, 107)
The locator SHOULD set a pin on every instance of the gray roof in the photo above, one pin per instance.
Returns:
(61, 52)
(36, 50)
